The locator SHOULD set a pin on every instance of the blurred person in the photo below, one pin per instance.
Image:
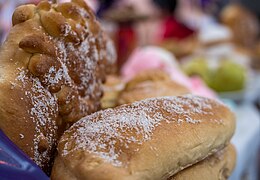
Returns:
(170, 26)
(127, 15)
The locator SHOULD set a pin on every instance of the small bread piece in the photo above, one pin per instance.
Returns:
(218, 166)
(112, 88)
(52, 68)
(148, 75)
(149, 84)
(149, 89)
(150, 139)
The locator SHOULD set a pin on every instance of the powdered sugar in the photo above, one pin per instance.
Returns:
(71, 74)
(53, 76)
(106, 133)
(44, 108)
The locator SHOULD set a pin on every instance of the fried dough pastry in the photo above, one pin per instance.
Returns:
(52, 67)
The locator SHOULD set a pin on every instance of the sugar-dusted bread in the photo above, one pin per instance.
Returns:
(150, 139)
(218, 166)
(52, 66)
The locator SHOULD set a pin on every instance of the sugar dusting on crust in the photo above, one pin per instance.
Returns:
(106, 133)
(44, 108)
(83, 59)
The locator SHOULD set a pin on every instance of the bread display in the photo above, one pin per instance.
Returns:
(150, 139)
(62, 103)
(52, 66)
(148, 84)
(215, 167)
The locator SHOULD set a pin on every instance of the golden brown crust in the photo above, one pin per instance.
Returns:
(113, 86)
(149, 89)
(148, 75)
(218, 166)
(148, 84)
(150, 139)
(243, 24)
(52, 66)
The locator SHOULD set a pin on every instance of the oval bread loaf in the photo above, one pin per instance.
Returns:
(218, 166)
(150, 139)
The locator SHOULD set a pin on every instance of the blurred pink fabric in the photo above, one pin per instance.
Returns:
(152, 57)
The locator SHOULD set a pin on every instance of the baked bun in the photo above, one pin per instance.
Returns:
(150, 139)
(243, 24)
(147, 75)
(148, 84)
(218, 166)
(52, 66)
(149, 89)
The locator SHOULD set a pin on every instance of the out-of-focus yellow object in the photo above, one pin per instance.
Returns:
(226, 76)
(229, 76)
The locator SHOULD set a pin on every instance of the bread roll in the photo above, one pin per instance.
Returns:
(150, 139)
(149, 89)
(148, 75)
(148, 84)
(243, 24)
(218, 166)
(52, 66)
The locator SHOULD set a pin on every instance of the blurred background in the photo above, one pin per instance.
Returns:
(215, 43)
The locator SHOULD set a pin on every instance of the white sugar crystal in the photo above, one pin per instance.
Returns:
(102, 131)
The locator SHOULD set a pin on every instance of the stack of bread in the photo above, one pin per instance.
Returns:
(52, 68)
(181, 137)
(156, 138)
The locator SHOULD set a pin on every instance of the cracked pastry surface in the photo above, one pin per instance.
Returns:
(52, 66)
